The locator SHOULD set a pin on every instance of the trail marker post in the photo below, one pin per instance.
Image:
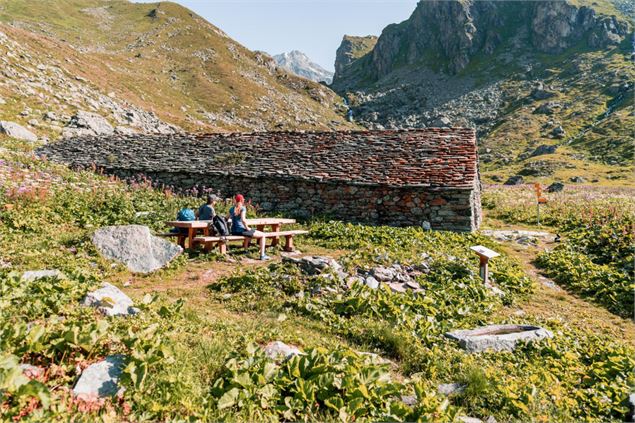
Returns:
(484, 254)
(539, 200)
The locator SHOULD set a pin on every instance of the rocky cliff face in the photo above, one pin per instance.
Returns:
(299, 64)
(350, 50)
(449, 34)
(524, 73)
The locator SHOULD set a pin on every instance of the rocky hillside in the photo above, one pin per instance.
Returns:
(90, 66)
(299, 64)
(546, 83)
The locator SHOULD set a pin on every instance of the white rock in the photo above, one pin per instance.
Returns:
(111, 301)
(450, 388)
(31, 275)
(278, 349)
(101, 379)
(134, 246)
(497, 337)
(19, 132)
(371, 282)
(92, 123)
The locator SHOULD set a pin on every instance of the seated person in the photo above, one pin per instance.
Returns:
(184, 215)
(238, 215)
(206, 211)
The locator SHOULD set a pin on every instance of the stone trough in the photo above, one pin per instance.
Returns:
(497, 337)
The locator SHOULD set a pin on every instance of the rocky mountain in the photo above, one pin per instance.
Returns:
(100, 66)
(527, 74)
(299, 64)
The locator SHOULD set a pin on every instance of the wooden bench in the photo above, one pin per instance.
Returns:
(210, 241)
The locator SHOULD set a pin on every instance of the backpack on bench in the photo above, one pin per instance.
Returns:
(220, 226)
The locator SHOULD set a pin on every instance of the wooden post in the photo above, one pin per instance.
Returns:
(484, 255)
(288, 245)
(275, 240)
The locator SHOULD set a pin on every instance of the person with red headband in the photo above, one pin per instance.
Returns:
(238, 215)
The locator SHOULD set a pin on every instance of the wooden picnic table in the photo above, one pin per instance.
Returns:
(193, 226)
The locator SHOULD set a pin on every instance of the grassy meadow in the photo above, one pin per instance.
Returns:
(195, 352)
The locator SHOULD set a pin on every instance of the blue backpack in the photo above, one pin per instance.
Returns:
(185, 215)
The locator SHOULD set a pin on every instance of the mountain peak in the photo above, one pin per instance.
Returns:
(300, 64)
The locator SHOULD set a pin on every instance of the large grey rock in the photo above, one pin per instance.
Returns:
(136, 247)
(100, 380)
(90, 123)
(110, 300)
(278, 349)
(384, 274)
(31, 275)
(497, 337)
(555, 187)
(515, 180)
(16, 131)
(544, 149)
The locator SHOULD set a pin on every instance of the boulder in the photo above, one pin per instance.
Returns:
(384, 274)
(277, 349)
(31, 275)
(371, 282)
(577, 179)
(89, 123)
(515, 180)
(16, 131)
(544, 149)
(316, 265)
(555, 187)
(100, 380)
(441, 122)
(542, 94)
(547, 108)
(450, 388)
(558, 132)
(136, 247)
(110, 301)
(497, 337)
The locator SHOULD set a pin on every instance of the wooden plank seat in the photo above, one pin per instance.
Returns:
(209, 242)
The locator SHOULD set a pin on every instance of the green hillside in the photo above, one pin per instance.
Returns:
(162, 58)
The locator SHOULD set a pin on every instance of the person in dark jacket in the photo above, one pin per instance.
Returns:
(206, 211)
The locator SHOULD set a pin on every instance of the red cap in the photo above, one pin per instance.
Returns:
(239, 198)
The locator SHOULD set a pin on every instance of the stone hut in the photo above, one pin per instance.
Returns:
(399, 178)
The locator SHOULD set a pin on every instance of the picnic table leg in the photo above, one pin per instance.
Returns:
(222, 247)
(288, 245)
(190, 237)
(275, 240)
(261, 228)
(181, 240)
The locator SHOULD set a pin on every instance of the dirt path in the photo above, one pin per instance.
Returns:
(550, 301)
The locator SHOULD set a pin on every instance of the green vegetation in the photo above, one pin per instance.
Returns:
(195, 350)
(595, 256)
(169, 61)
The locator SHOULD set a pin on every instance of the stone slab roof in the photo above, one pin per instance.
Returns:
(434, 157)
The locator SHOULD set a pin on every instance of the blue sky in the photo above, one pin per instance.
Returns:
(314, 27)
